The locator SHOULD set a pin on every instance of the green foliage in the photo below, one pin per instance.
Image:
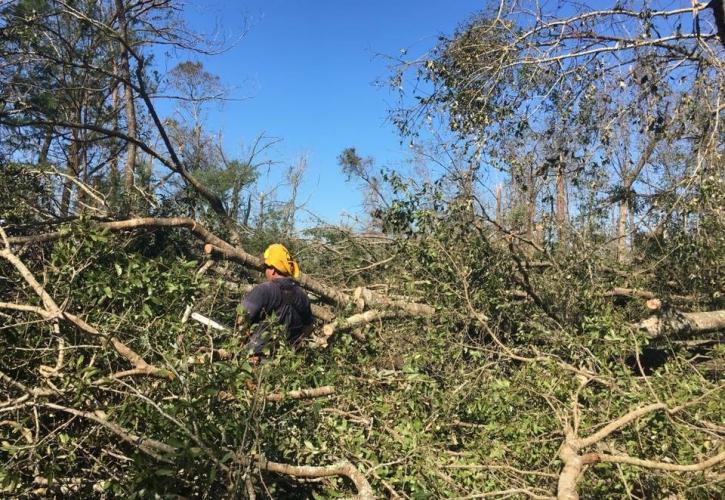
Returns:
(19, 193)
(526, 341)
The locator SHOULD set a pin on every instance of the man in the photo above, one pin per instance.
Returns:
(279, 300)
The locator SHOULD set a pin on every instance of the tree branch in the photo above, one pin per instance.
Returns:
(53, 312)
(316, 392)
(344, 469)
(593, 458)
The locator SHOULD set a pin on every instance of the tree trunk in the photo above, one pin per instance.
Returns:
(114, 175)
(46, 200)
(45, 148)
(125, 75)
(499, 215)
(72, 170)
(622, 229)
(683, 324)
(562, 215)
(625, 203)
(247, 212)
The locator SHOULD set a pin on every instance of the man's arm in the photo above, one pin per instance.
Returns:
(254, 303)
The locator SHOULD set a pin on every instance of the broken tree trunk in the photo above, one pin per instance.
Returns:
(214, 244)
(385, 307)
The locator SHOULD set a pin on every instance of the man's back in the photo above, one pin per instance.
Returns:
(282, 299)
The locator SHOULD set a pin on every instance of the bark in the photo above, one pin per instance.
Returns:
(570, 473)
(45, 148)
(115, 104)
(622, 230)
(593, 458)
(72, 170)
(366, 297)
(531, 195)
(636, 293)
(247, 211)
(321, 313)
(629, 292)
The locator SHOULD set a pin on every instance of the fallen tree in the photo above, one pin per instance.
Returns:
(213, 244)
(218, 247)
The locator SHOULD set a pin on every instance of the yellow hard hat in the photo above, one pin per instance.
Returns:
(278, 257)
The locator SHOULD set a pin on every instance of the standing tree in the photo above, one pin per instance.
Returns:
(592, 89)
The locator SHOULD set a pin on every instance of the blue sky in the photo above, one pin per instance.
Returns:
(308, 70)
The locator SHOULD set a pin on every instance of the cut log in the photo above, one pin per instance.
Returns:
(366, 297)
(653, 305)
(683, 324)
